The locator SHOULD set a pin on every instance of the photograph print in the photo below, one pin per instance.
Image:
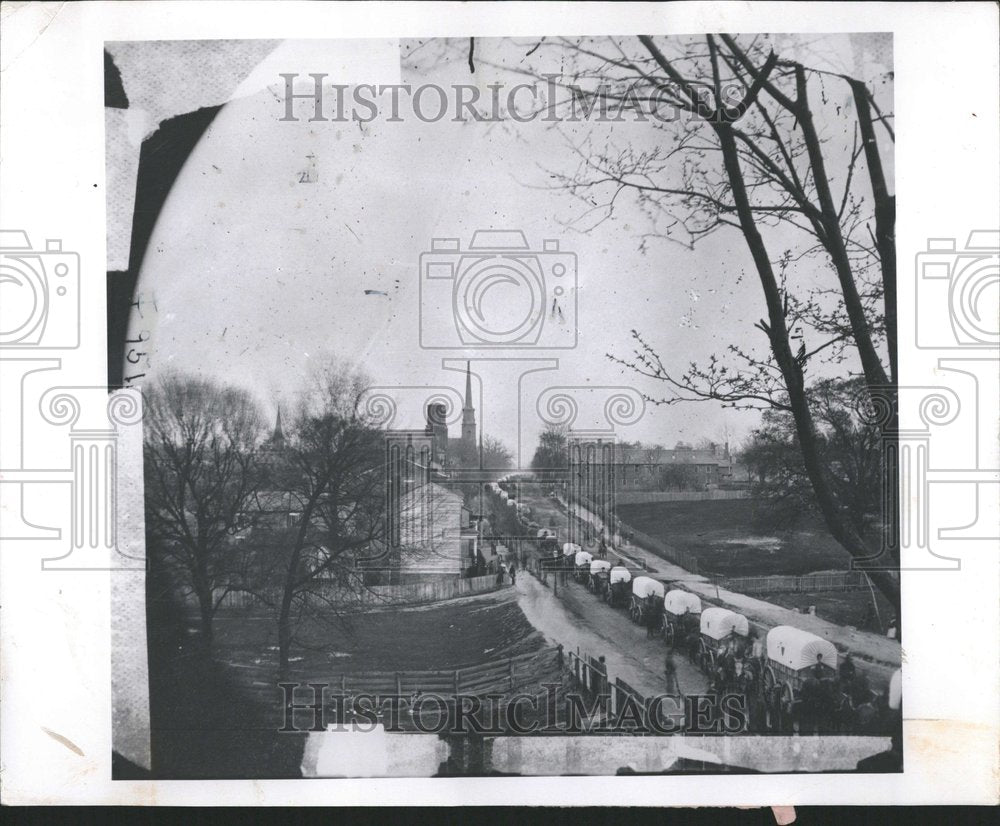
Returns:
(512, 406)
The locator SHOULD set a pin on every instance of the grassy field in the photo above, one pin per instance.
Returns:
(728, 540)
(843, 607)
(438, 636)
(208, 722)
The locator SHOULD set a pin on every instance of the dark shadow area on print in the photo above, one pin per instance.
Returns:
(201, 725)
(161, 158)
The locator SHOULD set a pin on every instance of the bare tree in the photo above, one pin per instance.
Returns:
(849, 445)
(333, 470)
(551, 455)
(744, 153)
(201, 472)
(490, 455)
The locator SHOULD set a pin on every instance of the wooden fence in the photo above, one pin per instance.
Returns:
(620, 692)
(644, 497)
(591, 675)
(496, 676)
(839, 581)
(372, 596)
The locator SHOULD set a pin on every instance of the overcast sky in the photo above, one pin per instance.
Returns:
(258, 275)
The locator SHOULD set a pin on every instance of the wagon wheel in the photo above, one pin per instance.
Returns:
(756, 677)
(772, 709)
(768, 697)
(767, 681)
(787, 706)
(708, 660)
(668, 632)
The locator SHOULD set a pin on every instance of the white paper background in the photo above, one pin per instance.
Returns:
(55, 626)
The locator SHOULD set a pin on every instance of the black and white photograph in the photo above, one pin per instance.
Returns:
(516, 406)
(521, 409)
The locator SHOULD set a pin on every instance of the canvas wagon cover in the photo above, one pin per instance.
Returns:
(721, 622)
(571, 548)
(644, 586)
(680, 602)
(599, 565)
(582, 558)
(620, 574)
(797, 649)
(895, 690)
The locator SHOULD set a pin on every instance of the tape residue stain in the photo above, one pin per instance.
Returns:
(64, 740)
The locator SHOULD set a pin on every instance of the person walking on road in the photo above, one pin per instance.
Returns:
(671, 685)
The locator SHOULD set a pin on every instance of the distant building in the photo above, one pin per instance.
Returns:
(644, 468)
(273, 451)
(599, 466)
(430, 532)
(469, 440)
(436, 535)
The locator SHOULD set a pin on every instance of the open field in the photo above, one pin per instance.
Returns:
(843, 607)
(723, 537)
(457, 633)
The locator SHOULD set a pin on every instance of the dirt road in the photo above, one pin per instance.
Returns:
(875, 655)
(578, 619)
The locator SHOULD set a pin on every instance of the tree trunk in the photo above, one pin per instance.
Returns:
(284, 634)
(291, 584)
(205, 607)
(791, 371)
(833, 240)
(885, 218)
(203, 590)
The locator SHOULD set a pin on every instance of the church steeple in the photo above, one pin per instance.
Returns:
(278, 437)
(469, 411)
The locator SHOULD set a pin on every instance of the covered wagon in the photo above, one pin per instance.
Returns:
(569, 552)
(600, 570)
(581, 566)
(799, 667)
(548, 544)
(681, 610)
(647, 600)
(724, 634)
(619, 586)
(896, 690)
